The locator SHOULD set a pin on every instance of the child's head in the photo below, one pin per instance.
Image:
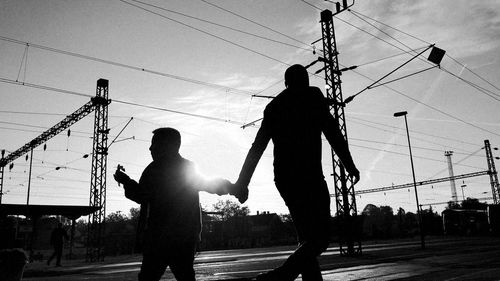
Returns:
(165, 142)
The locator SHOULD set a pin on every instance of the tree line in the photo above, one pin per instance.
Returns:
(227, 225)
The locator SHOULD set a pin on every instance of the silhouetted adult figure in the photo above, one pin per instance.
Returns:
(57, 240)
(294, 121)
(168, 194)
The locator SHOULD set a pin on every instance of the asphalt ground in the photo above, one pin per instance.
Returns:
(444, 258)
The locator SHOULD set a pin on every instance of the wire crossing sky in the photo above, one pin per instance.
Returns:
(196, 65)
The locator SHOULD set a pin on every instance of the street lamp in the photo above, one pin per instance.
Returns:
(419, 213)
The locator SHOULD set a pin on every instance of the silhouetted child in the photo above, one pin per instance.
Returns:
(170, 207)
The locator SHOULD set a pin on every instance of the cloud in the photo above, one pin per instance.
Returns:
(463, 27)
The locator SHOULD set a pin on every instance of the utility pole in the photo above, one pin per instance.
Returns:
(29, 179)
(454, 196)
(344, 188)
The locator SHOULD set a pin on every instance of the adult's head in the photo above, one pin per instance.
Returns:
(296, 76)
(165, 143)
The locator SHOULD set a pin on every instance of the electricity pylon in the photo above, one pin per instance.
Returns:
(345, 198)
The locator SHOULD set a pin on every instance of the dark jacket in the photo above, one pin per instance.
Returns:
(170, 206)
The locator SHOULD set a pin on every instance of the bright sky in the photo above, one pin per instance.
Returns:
(188, 47)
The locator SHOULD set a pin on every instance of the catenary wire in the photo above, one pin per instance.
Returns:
(123, 65)
(477, 87)
(421, 40)
(207, 33)
(254, 22)
(400, 93)
(222, 25)
(413, 131)
(58, 90)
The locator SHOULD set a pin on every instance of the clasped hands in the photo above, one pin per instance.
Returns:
(240, 191)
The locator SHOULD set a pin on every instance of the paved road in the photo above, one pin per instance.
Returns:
(443, 259)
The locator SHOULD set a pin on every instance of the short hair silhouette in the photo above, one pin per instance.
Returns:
(169, 135)
(296, 76)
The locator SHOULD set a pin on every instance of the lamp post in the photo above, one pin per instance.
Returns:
(419, 213)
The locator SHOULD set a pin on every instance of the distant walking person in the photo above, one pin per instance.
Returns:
(294, 121)
(170, 207)
(57, 240)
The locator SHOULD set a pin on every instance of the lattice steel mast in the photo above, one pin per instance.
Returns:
(69, 120)
(492, 172)
(96, 223)
(99, 103)
(344, 188)
(495, 187)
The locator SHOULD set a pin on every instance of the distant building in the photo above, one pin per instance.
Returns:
(465, 222)
(260, 230)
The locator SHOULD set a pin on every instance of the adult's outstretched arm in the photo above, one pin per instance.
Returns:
(253, 157)
(338, 143)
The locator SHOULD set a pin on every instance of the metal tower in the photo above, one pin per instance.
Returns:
(96, 223)
(69, 120)
(454, 196)
(1, 176)
(495, 187)
(344, 188)
(492, 172)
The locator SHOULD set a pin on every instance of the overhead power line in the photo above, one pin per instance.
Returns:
(42, 87)
(32, 113)
(413, 131)
(390, 57)
(254, 22)
(477, 87)
(392, 89)
(223, 26)
(37, 127)
(402, 145)
(421, 40)
(406, 154)
(207, 33)
(312, 5)
(58, 90)
(430, 106)
(123, 65)
(458, 162)
(178, 112)
(47, 113)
